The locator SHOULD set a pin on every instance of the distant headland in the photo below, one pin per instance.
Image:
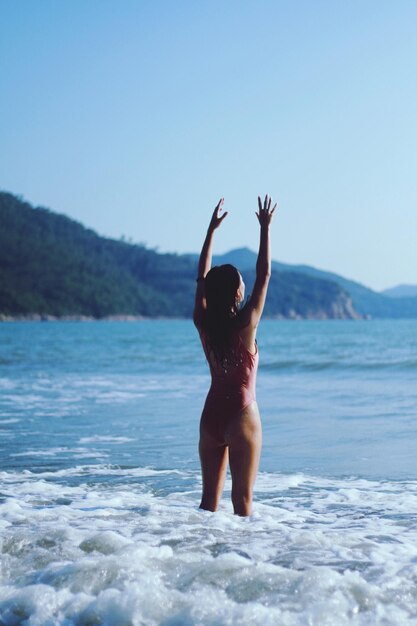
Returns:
(53, 268)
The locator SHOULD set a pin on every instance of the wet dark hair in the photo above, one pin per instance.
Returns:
(221, 285)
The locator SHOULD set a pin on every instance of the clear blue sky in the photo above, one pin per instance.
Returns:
(134, 117)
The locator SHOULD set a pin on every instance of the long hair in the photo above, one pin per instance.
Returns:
(221, 285)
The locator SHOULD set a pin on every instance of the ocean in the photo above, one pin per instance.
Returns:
(100, 481)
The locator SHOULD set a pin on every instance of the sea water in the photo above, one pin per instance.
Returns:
(100, 481)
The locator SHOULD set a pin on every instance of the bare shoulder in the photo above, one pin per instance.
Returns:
(199, 319)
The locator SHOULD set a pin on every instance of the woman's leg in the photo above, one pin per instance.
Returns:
(244, 437)
(213, 457)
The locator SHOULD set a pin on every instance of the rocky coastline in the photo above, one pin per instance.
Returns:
(292, 315)
(43, 317)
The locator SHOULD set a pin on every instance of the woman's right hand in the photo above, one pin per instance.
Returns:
(265, 212)
(216, 218)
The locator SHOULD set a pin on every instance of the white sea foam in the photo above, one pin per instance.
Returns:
(115, 545)
(62, 395)
(105, 439)
(76, 453)
(133, 551)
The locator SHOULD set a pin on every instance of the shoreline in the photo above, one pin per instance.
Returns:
(46, 317)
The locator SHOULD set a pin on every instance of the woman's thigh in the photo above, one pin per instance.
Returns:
(244, 438)
(212, 427)
(213, 457)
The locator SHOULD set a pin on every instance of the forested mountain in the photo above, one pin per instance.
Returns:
(401, 291)
(52, 265)
(367, 303)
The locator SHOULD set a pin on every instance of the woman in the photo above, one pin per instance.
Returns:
(230, 425)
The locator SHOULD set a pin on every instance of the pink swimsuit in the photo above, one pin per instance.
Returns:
(233, 381)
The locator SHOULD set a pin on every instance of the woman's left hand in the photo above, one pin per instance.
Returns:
(265, 212)
(216, 218)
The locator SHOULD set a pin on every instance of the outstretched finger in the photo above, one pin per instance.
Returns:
(222, 217)
(259, 204)
(275, 206)
(269, 203)
(265, 202)
(219, 205)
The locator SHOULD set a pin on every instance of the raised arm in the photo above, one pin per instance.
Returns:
(255, 306)
(204, 264)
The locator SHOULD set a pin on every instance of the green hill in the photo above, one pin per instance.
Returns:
(365, 301)
(52, 265)
(401, 291)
